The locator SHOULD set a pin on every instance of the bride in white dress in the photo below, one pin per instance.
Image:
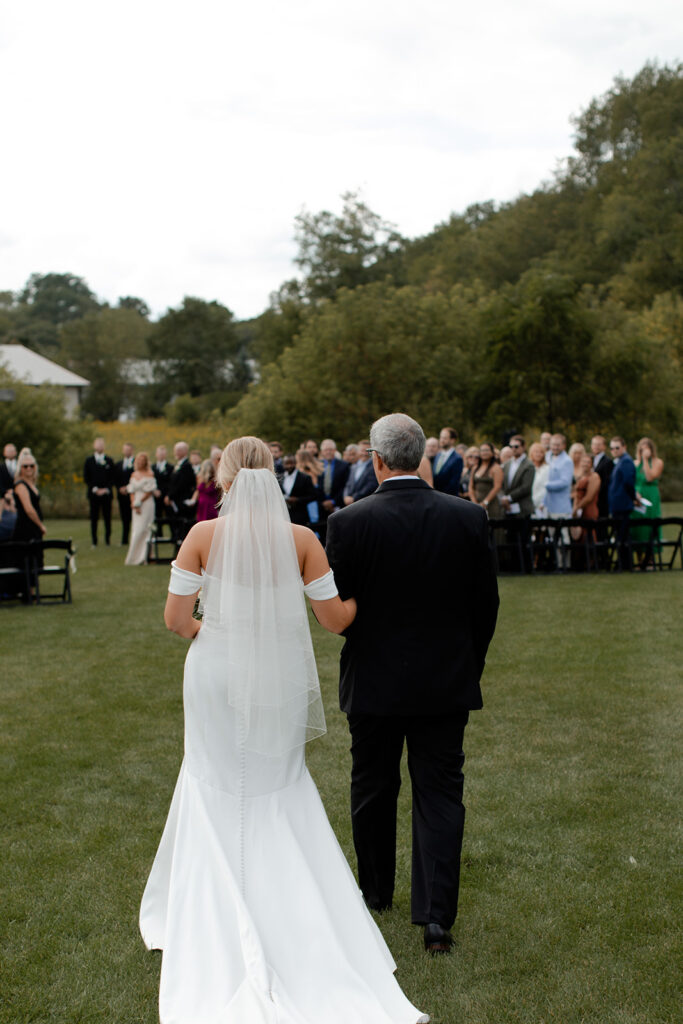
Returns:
(250, 897)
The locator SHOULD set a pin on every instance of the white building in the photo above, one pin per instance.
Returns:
(31, 368)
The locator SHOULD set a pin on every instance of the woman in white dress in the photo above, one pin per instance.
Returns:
(250, 897)
(141, 487)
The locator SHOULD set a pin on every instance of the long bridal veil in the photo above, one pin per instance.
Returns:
(254, 599)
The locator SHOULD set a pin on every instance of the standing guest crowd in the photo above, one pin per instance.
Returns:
(547, 482)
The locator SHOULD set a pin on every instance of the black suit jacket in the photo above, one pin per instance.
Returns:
(303, 491)
(421, 568)
(604, 470)
(6, 479)
(122, 476)
(96, 475)
(182, 484)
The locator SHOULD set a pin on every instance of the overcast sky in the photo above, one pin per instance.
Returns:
(163, 149)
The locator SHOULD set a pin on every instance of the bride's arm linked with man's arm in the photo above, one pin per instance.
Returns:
(331, 612)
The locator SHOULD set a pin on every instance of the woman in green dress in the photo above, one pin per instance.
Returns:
(648, 471)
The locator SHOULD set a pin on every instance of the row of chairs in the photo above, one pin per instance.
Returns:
(26, 565)
(586, 545)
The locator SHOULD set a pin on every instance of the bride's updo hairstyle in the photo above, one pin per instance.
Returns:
(243, 453)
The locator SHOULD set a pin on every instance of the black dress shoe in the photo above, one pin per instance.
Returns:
(437, 939)
(378, 907)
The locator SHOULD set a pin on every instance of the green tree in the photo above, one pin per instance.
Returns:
(278, 326)
(197, 350)
(97, 346)
(375, 349)
(48, 301)
(342, 251)
(132, 302)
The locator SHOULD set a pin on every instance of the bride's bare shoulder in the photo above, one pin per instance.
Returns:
(194, 553)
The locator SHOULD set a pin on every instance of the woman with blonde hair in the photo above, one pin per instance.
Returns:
(29, 524)
(141, 488)
(208, 494)
(250, 897)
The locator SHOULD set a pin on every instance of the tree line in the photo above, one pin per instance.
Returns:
(562, 309)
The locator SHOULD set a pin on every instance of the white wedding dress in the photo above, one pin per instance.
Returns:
(250, 897)
(140, 520)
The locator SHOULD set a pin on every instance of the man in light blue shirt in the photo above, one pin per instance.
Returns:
(558, 489)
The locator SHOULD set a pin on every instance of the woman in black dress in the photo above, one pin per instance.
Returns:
(29, 525)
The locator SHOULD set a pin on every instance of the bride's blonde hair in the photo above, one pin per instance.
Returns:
(243, 453)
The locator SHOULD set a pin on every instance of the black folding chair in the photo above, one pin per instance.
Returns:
(667, 535)
(60, 568)
(15, 579)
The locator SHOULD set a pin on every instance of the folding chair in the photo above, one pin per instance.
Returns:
(61, 568)
(15, 580)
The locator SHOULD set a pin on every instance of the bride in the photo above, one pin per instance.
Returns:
(250, 898)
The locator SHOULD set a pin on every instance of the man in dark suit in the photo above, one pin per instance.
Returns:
(362, 480)
(421, 568)
(332, 482)
(99, 477)
(298, 489)
(162, 470)
(516, 500)
(122, 474)
(447, 465)
(603, 466)
(181, 486)
(8, 468)
(622, 495)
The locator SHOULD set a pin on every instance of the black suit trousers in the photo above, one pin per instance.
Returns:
(126, 513)
(435, 762)
(100, 503)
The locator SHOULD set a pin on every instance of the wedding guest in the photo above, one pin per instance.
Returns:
(622, 494)
(649, 469)
(307, 462)
(350, 454)
(162, 470)
(332, 482)
(576, 453)
(208, 495)
(505, 454)
(276, 452)
(432, 448)
(8, 467)
(518, 480)
(141, 488)
(362, 480)
(99, 478)
(587, 490)
(8, 515)
(425, 470)
(122, 474)
(312, 447)
(196, 461)
(602, 464)
(541, 469)
(486, 482)
(447, 465)
(471, 461)
(558, 488)
(298, 489)
(29, 524)
(545, 442)
(181, 487)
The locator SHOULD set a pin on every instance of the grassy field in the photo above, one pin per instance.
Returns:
(570, 886)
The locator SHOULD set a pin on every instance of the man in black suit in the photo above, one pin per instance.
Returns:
(8, 467)
(122, 472)
(181, 486)
(421, 568)
(298, 489)
(99, 477)
(162, 470)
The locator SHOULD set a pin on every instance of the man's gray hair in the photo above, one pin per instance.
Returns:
(399, 440)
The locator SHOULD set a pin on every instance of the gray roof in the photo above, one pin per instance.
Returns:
(28, 366)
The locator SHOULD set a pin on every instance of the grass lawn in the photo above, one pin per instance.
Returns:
(571, 880)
